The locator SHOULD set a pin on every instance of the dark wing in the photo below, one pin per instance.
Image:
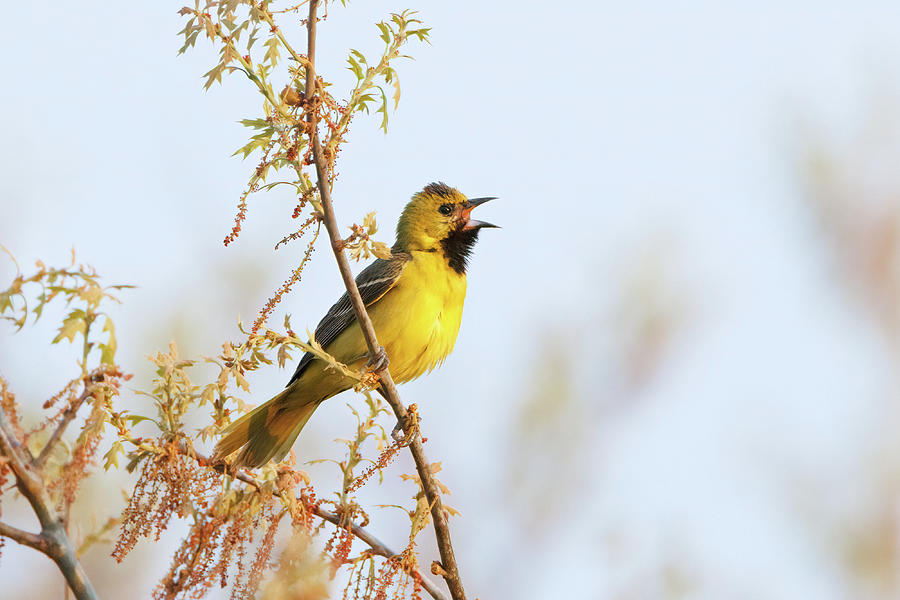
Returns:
(373, 282)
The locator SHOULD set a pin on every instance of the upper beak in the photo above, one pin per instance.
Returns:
(467, 211)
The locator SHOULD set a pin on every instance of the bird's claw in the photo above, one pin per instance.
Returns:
(380, 361)
(397, 433)
(409, 425)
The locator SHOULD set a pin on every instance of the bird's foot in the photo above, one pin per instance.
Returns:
(409, 425)
(380, 361)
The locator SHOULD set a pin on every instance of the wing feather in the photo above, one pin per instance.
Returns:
(373, 282)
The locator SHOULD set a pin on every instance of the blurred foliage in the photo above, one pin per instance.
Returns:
(652, 308)
(549, 439)
(853, 193)
(578, 390)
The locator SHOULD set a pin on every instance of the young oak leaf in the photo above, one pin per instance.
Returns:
(71, 326)
(108, 350)
(381, 250)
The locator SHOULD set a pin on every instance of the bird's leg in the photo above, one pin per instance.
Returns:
(380, 361)
(397, 433)
(410, 425)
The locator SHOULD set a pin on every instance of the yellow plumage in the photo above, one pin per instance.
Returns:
(415, 301)
(417, 321)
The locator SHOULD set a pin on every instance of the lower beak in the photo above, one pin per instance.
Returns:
(467, 211)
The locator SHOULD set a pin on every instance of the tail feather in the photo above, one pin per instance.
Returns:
(265, 433)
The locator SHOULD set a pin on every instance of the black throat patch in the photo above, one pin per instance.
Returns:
(457, 248)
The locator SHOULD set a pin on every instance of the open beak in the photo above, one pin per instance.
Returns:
(467, 211)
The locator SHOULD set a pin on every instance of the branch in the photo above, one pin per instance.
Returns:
(26, 538)
(52, 541)
(27, 481)
(68, 416)
(438, 514)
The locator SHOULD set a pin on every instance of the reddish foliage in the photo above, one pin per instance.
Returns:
(169, 484)
(248, 589)
(384, 459)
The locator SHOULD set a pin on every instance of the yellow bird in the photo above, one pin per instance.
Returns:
(415, 300)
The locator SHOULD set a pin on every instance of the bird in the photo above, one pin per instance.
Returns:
(415, 302)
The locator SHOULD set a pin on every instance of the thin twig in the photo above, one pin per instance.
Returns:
(439, 515)
(67, 417)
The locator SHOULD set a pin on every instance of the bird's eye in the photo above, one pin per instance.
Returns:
(445, 209)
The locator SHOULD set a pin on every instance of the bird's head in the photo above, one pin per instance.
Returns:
(439, 219)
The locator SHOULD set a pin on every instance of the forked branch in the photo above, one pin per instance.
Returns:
(52, 540)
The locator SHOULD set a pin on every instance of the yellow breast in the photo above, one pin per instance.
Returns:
(418, 320)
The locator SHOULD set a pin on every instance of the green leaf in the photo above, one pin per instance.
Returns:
(381, 250)
(92, 294)
(39, 309)
(256, 123)
(72, 325)
(135, 419)
(354, 66)
(363, 102)
(112, 457)
(5, 302)
(279, 162)
(213, 75)
(422, 34)
(241, 382)
(318, 461)
(385, 32)
(283, 356)
(108, 350)
(395, 81)
(272, 54)
(209, 394)
(359, 56)
(260, 140)
(383, 110)
(189, 39)
(269, 186)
